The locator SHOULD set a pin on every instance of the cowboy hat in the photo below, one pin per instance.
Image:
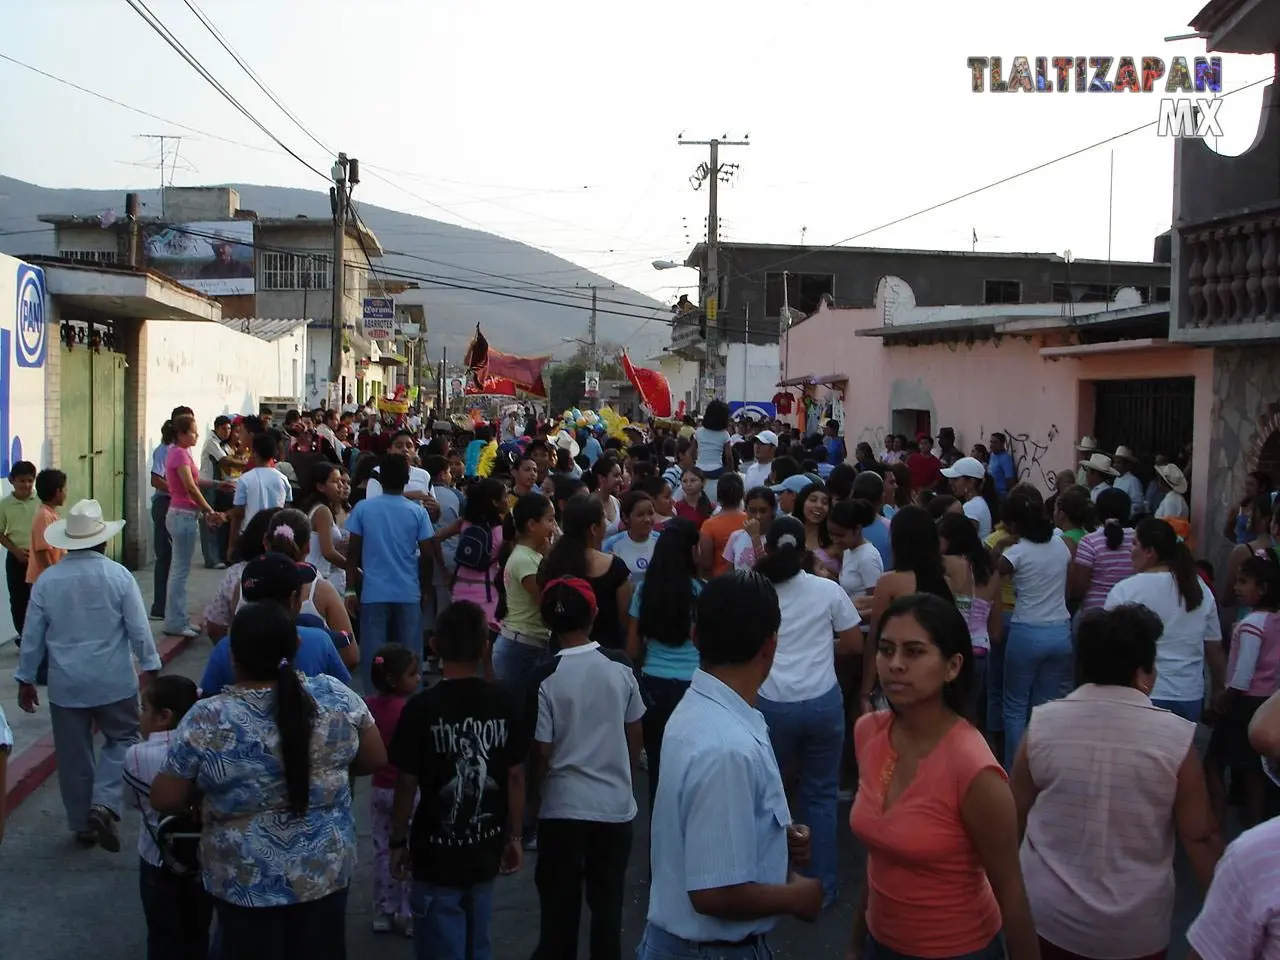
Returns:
(1174, 477)
(83, 528)
(1124, 453)
(565, 441)
(1087, 445)
(1101, 463)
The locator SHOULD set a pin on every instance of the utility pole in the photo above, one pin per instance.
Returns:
(712, 173)
(346, 174)
(593, 343)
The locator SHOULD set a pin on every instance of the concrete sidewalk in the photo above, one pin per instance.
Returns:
(32, 761)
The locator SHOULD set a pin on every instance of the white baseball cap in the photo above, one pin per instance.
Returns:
(966, 467)
(767, 437)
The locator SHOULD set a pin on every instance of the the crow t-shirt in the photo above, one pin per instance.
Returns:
(460, 739)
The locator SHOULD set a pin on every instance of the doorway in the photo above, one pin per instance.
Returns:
(912, 423)
(92, 454)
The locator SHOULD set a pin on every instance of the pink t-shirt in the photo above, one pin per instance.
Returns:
(470, 584)
(178, 457)
(1240, 919)
(386, 709)
(1109, 566)
(1253, 666)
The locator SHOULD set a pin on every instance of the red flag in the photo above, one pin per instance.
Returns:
(525, 372)
(477, 357)
(652, 386)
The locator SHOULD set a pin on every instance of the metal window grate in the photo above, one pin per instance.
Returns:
(1148, 416)
(295, 271)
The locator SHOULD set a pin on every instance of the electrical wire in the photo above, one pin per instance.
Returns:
(150, 19)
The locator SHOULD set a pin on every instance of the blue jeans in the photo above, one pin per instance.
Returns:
(811, 733)
(995, 681)
(657, 944)
(1186, 709)
(1039, 666)
(383, 623)
(661, 697)
(184, 533)
(513, 666)
(995, 950)
(452, 923)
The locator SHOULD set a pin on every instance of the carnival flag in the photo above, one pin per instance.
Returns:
(652, 387)
(477, 357)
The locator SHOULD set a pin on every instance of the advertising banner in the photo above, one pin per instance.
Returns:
(379, 318)
(213, 258)
(25, 341)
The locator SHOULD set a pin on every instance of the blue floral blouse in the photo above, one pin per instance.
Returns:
(253, 852)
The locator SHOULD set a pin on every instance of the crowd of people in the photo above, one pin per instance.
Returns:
(502, 625)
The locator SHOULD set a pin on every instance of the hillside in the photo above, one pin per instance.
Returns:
(465, 256)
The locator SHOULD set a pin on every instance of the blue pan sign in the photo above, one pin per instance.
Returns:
(30, 327)
(753, 410)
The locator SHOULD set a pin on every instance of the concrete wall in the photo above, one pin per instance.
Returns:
(215, 370)
(76, 239)
(751, 372)
(1043, 405)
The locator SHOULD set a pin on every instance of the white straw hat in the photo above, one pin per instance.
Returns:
(83, 528)
(1101, 463)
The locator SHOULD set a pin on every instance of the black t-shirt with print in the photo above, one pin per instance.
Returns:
(460, 739)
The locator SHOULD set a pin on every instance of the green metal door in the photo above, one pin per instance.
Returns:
(93, 451)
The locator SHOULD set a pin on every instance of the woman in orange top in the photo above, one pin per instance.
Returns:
(718, 529)
(933, 808)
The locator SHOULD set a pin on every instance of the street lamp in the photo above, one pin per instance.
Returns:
(666, 265)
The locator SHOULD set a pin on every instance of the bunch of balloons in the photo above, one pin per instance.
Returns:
(603, 422)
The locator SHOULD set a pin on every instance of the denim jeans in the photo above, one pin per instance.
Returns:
(657, 944)
(513, 666)
(1039, 666)
(213, 540)
(452, 923)
(163, 550)
(661, 697)
(1186, 709)
(383, 623)
(178, 913)
(184, 532)
(995, 681)
(995, 950)
(811, 733)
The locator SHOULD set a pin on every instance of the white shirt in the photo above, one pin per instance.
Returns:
(976, 509)
(211, 455)
(756, 475)
(1097, 491)
(260, 489)
(1173, 507)
(1180, 649)
(1133, 487)
(814, 610)
(710, 448)
(419, 482)
(860, 568)
(740, 551)
(1040, 580)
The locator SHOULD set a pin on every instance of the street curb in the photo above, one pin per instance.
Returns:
(31, 767)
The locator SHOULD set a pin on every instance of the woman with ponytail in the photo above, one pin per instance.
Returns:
(578, 554)
(271, 759)
(801, 699)
(1168, 584)
(1103, 557)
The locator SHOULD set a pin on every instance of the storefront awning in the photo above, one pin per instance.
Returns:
(810, 380)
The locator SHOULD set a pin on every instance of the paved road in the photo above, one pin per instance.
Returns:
(63, 903)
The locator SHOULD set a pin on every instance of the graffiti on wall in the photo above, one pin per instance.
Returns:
(874, 436)
(1028, 454)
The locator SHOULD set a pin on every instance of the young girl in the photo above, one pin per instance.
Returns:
(978, 599)
(634, 543)
(694, 506)
(812, 506)
(396, 677)
(325, 506)
(486, 507)
(747, 544)
(1253, 674)
(606, 474)
(660, 493)
(715, 533)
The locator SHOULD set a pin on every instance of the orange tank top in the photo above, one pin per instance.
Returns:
(928, 894)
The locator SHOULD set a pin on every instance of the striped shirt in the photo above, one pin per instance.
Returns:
(1254, 662)
(141, 764)
(1109, 566)
(1097, 857)
(1240, 919)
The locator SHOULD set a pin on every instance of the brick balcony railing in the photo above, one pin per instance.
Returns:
(1232, 276)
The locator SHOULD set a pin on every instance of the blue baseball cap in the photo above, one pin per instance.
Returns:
(793, 484)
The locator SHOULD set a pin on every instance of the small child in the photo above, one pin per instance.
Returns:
(17, 516)
(396, 676)
(460, 747)
(51, 488)
(587, 740)
(177, 909)
(1253, 675)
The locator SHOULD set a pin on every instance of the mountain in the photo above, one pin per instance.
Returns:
(469, 257)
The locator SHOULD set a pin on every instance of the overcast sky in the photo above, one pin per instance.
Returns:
(555, 123)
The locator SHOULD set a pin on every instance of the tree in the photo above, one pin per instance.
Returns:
(565, 381)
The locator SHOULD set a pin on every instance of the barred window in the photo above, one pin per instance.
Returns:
(295, 271)
(89, 256)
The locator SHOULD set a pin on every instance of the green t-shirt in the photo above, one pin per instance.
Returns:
(522, 610)
(17, 517)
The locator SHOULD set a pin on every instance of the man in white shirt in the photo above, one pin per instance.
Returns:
(418, 489)
(1124, 461)
(260, 488)
(757, 474)
(967, 475)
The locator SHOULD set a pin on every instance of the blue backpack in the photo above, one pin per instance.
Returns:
(475, 552)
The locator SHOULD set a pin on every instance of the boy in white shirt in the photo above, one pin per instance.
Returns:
(260, 488)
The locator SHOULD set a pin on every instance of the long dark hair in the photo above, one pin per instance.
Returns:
(1113, 509)
(667, 595)
(568, 558)
(251, 543)
(785, 554)
(264, 641)
(1078, 508)
(961, 535)
(716, 416)
(1160, 538)
(484, 503)
(913, 538)
(797, 511)
(1025, 514)
(317, 476)
(944, 623)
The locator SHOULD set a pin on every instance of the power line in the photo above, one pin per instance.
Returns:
(989, 186)
(142, 10)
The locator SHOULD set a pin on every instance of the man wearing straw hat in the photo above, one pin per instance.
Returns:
(87, 614)
(1098, 474)
(1124, 462)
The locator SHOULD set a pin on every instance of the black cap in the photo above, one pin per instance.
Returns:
(272, 576)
